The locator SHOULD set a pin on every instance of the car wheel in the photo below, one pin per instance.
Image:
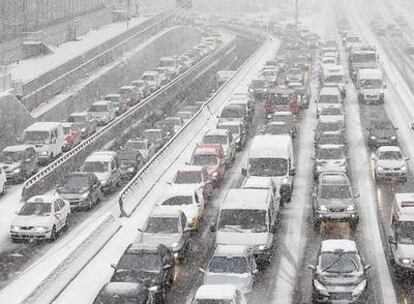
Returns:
(53, 234)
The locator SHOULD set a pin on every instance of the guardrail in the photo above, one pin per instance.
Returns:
(44, 281)
(72, 160)
(55, 80)
(137, 189)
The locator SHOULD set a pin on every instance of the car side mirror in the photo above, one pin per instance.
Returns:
(292, 172)
(213, 228)
(113, 266)
(167, 266)
(202, 270)
(312, 267)
(255, 271)
(367, 267)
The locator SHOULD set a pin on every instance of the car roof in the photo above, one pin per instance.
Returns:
(191, 168)
(333, 245)
(230, 123)
(101, 156)
(79, 114)
(123, 288)
(231, 250)
(161, 211)
(223, 132)
(43, 126)
(267, 146)
(329, 91)
(151, 73)
(42, 199)
(113, 95)
(142, 246)
(389, 148)
(215, 292)
(178, 190)
(329, 118)
(101, 102)
(254, 182)
(127, 87)
(277, 123)
(330, 146)
(246, 199)
(334, 178)
(371, 73)
(17, 148)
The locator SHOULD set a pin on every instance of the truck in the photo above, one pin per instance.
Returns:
(364, 57)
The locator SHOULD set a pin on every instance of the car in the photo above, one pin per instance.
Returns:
(270, 75)
(18, 162)
(42, 217)
(158, 137)
(235, 112)
(168, 227)
(130, 162)
(103, 111)
(381, 133)
(153, 79)
(124, 292)
(130, 94)
(187, 198)
(224, 138)
(81, 190)
(237, 132)
(281, 98)
(331, 138)
(219, 294)
(277, 128)
(119, 102)
(231, 265)
(285, 117)
(330, 158)
(244, 100)
(195, 175)
(334, 113)
(73, 136)
(170, 64)
(328, 124)
(258, 88)
(210, 156)
(174, 124)
(142, 87)
(151, 264)
(105, 165)
(340, 274)
(185, 115)
(390, 164)
(334, 200)
(294, 74)
(163, 75)
(329, 96)
(85, 122)
(143, 146)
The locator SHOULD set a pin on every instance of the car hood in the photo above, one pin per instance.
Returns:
(158, 238)
(31, 220)
(405, 251)
(9, 167)
(340, 283)
(371, 91)
(241, 281)
(388, 163)
(276, 179)
(336, 203)
(68, 196)
(241, 238)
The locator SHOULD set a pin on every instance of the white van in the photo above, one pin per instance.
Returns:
(272, 156)
(48, 139)
(103, 111)
(370, 86)
(228, 294)
(248, 217)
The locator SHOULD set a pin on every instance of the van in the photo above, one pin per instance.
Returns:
(103, 111)
(48, 139)
(247, 217)
(272, 156)
(334, 76)
(105, 165)
(370, 86)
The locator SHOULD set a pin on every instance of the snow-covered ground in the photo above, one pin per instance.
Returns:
(29, 69)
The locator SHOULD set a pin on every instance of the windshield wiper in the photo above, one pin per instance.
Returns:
(333, 263)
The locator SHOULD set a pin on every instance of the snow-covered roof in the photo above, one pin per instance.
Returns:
(161, 211)
(113, 95)
(333, 245)
(123, 288)
(370, 74)
(282, 113)
(101, 156)
(404, 206)
(333, 69)
(229, 123)
(330, 146)
(246, 199)
(215, 292)
(268, 146)
(231, 250)
(191, 168)
(254, 182)
(179, 190)
(79, 114)
(329, 118)
(127, 87)
(43, 126)
(17, 148)
(389, 148)
(138, 246)
(150, 73)
(217, 132)
(277, 123)
(329, 91)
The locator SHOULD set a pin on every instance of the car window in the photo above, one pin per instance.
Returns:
(56, 206)
(183, 221)
(196, 198)
(61, 204)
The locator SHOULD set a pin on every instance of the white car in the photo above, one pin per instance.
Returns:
(218, 294)
(42, 217)
(334, 112)
(390, 164)
(187, 198)
(2, 181)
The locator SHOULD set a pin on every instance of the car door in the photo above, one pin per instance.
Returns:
(58, 216)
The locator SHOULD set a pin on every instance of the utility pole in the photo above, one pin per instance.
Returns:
(128, 4)
(296, 13)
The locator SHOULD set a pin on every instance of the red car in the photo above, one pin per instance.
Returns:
(195, 175)
(73, 135)
(211, 156)
(281, 98)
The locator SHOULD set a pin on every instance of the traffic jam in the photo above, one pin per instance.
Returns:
(218, 224)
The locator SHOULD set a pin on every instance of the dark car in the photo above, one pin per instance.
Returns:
(81, 189)
(382, 133)
(123, 293)
(130, 162)
(331, 138)
(18, 162)
(149, 263)
(258, 88)
(340, 274)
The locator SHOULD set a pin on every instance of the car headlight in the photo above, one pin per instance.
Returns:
(262, 247)
(269, 116)
(153, 288)
(83, 130)
(403, 168)
(41, 229)
(405, 261)
(85, 195)
(360, 288)
(379, 168)
(44, 153)
(15, 228)
(323, 208)
(285, 180)
(350, 208)
(393, 137)
(320, 288)
(16, 170)
(215, 174)
(373, 137)
(132, 169)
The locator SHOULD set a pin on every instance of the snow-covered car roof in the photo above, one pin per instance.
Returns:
(113, 95)
(101, 156)
(389, 149)
(334, 178)
(330, 146)
(370, 74)
(329, 91)
(217, 132)
(215, 292)
(43, 126)
(17, 148)
(178, 190)
(127, 87)
(246, 199)
(230, 123)
(161, 211)
(231, 250)
(79, 114)
(190, 169)
(254, 182)
(123, 288)
(333, 245)
(266, 146)
(149, 73)
(329, 119)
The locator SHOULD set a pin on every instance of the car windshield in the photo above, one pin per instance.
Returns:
(382, 125)
(98, 108)
(164, 225)
(240, 220)
(404, 232)
(188, 177)
(205, 160)
(324, 127)
(342, 262)
(280, 99)
(335, 192)
(362, 58)
(328, 98)
(77, 119)
(140, 260)
(74, 183)
(136, 145)
(335, 78)
(258, 83)
(331, 153)
(390, 155)
(330, 139)
(331, 111)
(277, 129)
(36, 137)
(11, 156)
(178, 200)
(231, 264)
(233, 111)
(268, 166)
(95, 166)
(215, 139)
(38, 209)
(116, 299)
(371, 83)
